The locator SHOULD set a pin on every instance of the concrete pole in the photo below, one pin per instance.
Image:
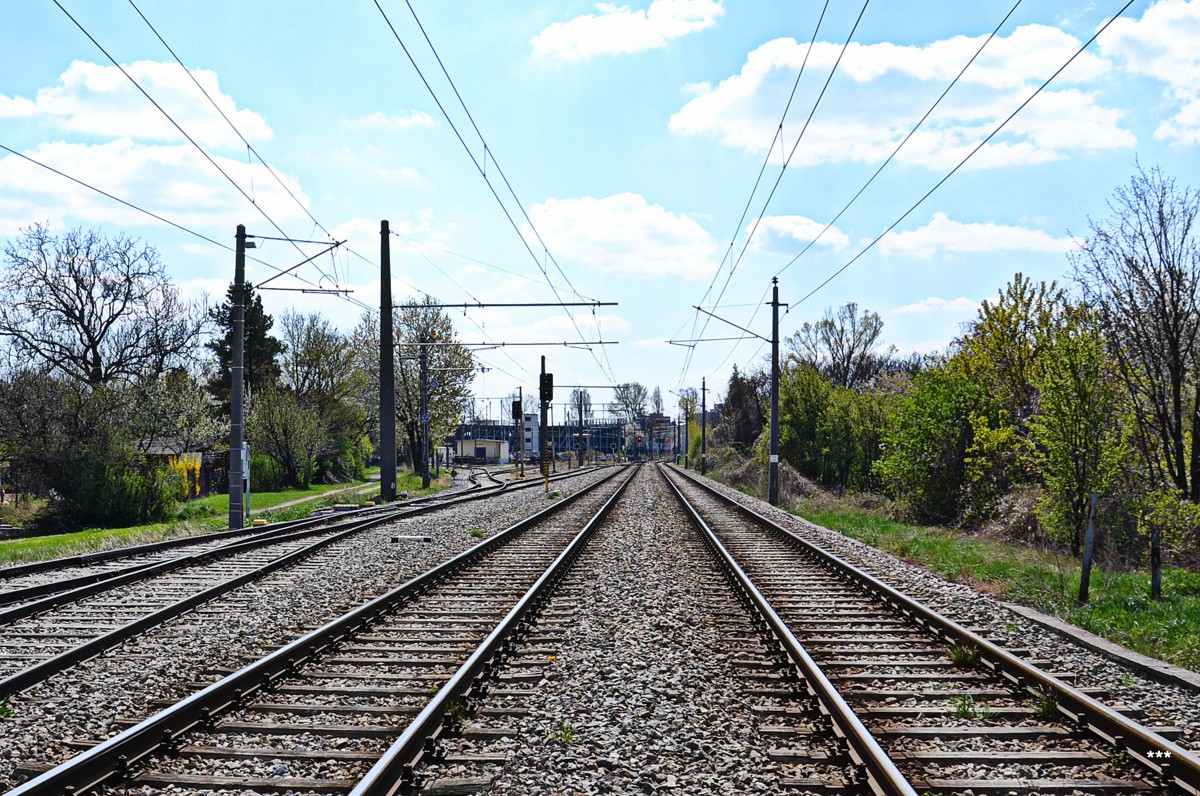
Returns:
(387, 371)
(237, 409)
(773, 467)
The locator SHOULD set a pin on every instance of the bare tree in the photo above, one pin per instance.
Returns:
(629, 401)
(580, 407)
(1140, 271)
(656, 401)
(97, 310)
(843, 346)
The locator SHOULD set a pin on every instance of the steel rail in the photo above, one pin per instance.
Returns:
(883, 777)
(32, 675)
(394, 772)
(149, 548)
(113, 757)
(72, 589)
(1172, 763)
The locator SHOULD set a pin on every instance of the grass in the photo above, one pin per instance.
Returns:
(1120, 607)
(195, 517)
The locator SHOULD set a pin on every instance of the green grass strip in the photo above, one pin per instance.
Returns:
(1119, 609)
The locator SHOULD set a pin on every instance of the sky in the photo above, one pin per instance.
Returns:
(642, 159)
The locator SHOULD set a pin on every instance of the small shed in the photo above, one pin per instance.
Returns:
(481, 451)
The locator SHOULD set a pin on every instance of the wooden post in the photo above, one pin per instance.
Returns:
(1156, 564)
(1089, 544)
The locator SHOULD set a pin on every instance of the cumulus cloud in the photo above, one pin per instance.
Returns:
(409, 120)
(961, 307)
(618, 30)
(99, 100)
(1164, 44)
(173, 181)
(881, 90)
(784, 233)
(943, 235)
(624, 234)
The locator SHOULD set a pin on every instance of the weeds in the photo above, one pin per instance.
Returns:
(1045, 704)
(565, 733)
(964, 706)
(477, 533)
(7, 711)
(963, 656)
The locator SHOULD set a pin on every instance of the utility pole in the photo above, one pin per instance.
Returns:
(582, 451)
(703, 426)
(546, 394)
(773, 466)
(387, 371)
(519, 419)
(237, 412)
(423, 358)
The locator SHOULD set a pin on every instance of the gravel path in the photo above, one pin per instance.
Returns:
(89, 702)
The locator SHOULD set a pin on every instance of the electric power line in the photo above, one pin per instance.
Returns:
(483, 172)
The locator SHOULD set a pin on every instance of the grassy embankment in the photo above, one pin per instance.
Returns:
(201, 516)
(1119, 609)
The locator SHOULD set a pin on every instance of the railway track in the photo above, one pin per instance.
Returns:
(64, 617)
(696, 652)
(921, 703)
(398, 667)
(19, 582)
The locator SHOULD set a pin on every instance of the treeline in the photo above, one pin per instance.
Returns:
(111, 386)
(1051, 393)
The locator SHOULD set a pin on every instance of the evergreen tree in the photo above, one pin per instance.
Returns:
(260, 353)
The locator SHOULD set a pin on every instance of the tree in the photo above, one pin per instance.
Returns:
(280, 426)
(743, 414)
(656, 402)
(1140, 271)
(260, 350)
(629, 401)
(97, 310)
(1079, 445)
(72, 443)
(1002, 348)
(580, 406)
(451, 368)
(689, 401)
(926, 442)
(843, 346)
(318, 365)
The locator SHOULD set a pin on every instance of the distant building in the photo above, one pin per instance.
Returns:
(481, 451)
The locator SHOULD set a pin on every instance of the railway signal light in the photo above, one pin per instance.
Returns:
(546, 387)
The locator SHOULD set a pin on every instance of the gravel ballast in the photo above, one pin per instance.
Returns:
(92, 701)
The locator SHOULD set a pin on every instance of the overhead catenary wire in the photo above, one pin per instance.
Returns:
(969, 155)
(481, 168)
(249, 147)
(987, 40)
(958, 166)
(139, 209)
(783, 168)
(204, 153)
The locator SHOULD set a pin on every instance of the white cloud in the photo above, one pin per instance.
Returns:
(958, 307)
(409, 120)
(783, 233)
(624, 234)
(881, 90)
(1164, 44)
(14, 107)
(618, 30)
(175, 182)
(99, 100)
(942, 235)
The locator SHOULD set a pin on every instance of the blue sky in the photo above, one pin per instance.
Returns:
(632, 136)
